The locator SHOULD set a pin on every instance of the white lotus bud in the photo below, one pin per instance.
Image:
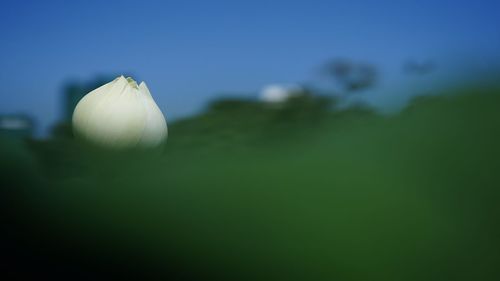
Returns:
(120, 114)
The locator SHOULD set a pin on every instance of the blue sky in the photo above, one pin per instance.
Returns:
(190, 51)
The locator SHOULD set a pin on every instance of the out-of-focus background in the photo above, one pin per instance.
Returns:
(308, 140)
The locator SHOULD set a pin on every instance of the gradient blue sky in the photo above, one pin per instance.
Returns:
(189, 51)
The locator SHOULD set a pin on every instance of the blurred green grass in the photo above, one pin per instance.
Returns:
(249, 193)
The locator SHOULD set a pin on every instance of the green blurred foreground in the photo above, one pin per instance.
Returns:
(268, 194)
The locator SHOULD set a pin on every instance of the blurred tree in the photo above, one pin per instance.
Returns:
(299, 105)
(305, 107)
(62, 130)
(232, 105)
(231, 121)
(351, 76)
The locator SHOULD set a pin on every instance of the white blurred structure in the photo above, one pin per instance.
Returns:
(277, 93)
(18, 125)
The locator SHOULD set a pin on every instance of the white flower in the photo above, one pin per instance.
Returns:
(120, 114)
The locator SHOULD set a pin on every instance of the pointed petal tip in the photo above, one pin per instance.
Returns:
(144, 89)
(143, 85)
